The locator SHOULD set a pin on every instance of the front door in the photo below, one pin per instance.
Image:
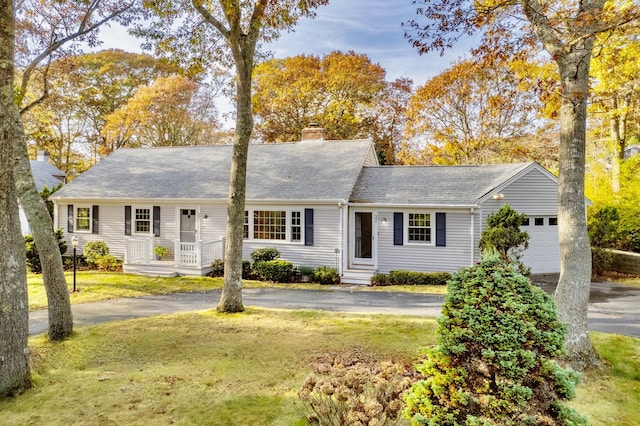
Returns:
(362, 238)
(188, 225)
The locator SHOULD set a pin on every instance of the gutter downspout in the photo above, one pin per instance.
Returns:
(473, 244)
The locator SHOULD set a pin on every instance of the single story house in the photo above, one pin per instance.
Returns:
(320, 202)
(44, 174)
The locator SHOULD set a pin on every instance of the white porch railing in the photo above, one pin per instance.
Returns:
(200, 254)
(138, 250)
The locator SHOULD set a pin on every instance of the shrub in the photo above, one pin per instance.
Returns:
(217, 269)
(325, 275)
(33, 258)
(402, 277)
(380, 280)
(503, 234)
(265, 254)
(493, 365)
(107, 262)
(92, 250)
(355, 389)
(278, 270)
(601, 260)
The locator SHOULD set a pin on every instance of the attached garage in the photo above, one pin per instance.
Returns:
(543, 254)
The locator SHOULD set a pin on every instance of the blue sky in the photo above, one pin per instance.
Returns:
(372, 27)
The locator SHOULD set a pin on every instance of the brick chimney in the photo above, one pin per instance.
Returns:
(313, 133)
(43, 155)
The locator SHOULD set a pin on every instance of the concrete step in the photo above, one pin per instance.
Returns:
(357, 276)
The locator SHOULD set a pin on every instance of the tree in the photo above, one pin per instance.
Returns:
(173, 111)
(475, 114)
(45, 29)
(567, 31)
(503, 235)
(343, 92)
(230, 30)
(614, 69)
(14, 319)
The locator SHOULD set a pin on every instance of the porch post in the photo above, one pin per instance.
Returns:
(176, 253)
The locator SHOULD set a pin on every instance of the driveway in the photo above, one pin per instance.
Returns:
(613, 308)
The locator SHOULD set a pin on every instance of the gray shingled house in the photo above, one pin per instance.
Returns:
(319, 202)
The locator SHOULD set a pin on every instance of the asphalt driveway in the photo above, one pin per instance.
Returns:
(613, 308)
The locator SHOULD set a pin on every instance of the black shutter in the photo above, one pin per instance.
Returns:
(398, 229)
(156, 221)
(70, 218)
(127, 220)
(95, 218)
(308, 227)
(441, 229)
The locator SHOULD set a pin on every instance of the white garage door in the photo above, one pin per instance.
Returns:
(543, 254)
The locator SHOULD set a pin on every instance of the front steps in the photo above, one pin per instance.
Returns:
(357, 276)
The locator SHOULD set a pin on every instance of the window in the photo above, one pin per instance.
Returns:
(538, 221)
(83, 219)
(525, 222)
(553, 221)
(245, 229)
(269, 225)
(142, 223)
(419, 228)
(296, 226)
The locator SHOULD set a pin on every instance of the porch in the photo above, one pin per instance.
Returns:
(189, 258)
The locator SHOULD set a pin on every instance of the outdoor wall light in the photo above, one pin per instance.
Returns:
(498, 196)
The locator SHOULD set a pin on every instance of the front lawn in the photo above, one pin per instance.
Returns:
(207, 368)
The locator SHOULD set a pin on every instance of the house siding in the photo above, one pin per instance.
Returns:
(326, 230)
(425, 258)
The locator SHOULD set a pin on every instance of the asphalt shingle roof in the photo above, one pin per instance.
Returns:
(45, 174)
(431, 185)
(319, 170)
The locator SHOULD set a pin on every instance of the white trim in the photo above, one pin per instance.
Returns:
(359, 262)
(134, 220)
(432, 228)
(288, 225)
(75, 218)
(413, 206)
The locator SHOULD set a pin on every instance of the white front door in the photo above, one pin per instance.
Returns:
(362, 243)
(188, 225)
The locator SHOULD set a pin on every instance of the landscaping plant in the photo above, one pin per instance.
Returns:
(503, 235)
(494, 362)
(33, 258)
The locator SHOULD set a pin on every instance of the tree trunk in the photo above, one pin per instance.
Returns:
(55, 284)
(572, 294)
(14, 319)
(231, 298)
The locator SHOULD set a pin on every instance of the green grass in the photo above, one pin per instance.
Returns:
(207, 368)
(94, 286)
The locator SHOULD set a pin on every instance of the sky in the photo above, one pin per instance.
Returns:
(371, 27)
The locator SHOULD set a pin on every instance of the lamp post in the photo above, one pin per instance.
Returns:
(74, 243)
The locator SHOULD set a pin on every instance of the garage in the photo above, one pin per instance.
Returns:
(543, 254)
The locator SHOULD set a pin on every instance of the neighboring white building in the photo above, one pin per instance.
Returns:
(319, 202)
(44, 174)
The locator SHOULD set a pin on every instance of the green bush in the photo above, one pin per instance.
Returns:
(603, 227)
(503, 235)
(493, 365)
(402, 277)
(601, 260)
(265, 254)
(107, 262)
(325, 275)
(92, 250)
(217, 269)
(33, 258)
(278, 270)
